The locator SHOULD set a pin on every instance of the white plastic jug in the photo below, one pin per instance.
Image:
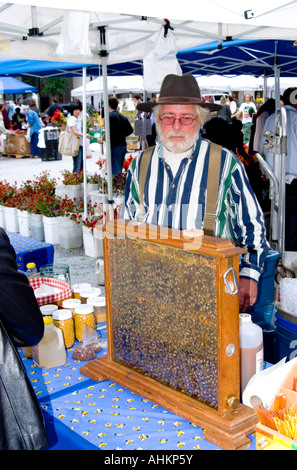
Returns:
(251, 348)
(50, 351)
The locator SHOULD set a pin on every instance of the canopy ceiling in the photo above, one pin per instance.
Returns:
(241, 57)
(33, 31)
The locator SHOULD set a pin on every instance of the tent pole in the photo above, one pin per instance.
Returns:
(104, 54)
(84, 143)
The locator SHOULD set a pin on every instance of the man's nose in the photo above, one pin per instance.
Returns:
(177, 124)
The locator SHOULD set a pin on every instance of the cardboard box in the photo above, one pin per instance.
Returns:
(16, 144)
(269, 439)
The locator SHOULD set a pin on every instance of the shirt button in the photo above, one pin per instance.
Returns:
(173, 186)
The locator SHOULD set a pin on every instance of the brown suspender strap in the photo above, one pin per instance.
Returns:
(213, 178)
(146, 157)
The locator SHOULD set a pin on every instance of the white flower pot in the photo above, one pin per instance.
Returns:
(70, 234)
(91, 187)
(51, 229)
(11, 219)
(2, 217)
(74, 191)
(24, 223)
(37, 227)
(93, 246)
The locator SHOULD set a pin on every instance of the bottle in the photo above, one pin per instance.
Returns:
(251, 348)
(31, 270)
(50, 352)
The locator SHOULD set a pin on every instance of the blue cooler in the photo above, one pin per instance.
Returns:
(285, 338)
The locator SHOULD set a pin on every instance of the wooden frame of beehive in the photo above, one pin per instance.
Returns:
(173, 325)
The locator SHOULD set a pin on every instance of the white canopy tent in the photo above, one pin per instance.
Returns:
(115, 84)
(109, 37)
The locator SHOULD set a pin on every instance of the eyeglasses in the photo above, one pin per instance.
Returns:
(184, 120)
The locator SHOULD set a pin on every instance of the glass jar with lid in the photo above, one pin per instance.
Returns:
(63, 319)
(99, 305)
(84, 315)
(71, 304)
(89, 293)
(76, 288)
(48, 309)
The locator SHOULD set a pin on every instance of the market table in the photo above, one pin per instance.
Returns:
(83, 414)
(29, 250)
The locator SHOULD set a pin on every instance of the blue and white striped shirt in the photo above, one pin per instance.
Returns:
(179, 202)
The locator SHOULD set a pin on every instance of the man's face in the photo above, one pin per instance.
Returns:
(178, 138)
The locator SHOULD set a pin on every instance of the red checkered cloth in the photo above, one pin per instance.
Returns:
(63, 289)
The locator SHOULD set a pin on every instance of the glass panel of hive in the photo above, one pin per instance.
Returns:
(164, 315)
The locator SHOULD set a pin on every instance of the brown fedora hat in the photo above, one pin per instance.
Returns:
(179, 89)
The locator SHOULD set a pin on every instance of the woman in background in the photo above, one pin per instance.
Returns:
(34, 125)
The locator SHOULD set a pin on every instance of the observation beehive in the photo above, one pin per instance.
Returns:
(173, 325)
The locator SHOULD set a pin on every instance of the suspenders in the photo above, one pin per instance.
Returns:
(213, 179)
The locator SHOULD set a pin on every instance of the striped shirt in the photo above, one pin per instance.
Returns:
(179, 201)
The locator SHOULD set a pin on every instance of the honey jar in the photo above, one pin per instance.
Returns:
(48, 309)
(84, 315)
(89, 293)
(76, 288)
(71, 304)
(99, 305)
(63, 320)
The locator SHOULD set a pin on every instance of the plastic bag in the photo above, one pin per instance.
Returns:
(88, 347)
(159, 60)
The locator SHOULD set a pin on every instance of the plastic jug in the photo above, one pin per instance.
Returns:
(251, 348)
(50, 352)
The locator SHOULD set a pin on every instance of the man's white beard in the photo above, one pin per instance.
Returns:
(178, 147)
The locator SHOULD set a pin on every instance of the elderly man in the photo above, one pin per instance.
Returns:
(175, 186)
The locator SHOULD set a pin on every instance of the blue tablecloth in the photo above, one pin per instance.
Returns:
(31, 251)
(83, 414)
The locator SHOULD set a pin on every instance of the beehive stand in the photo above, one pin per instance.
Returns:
(173, 326)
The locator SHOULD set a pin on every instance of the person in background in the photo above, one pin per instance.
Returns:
(289, 99)
(10, 109)
(20, 104)
(53, 107)
(18, 119)
(21, 420)
(33, 105)
(34, 124)
(232, 103)
(4, 119)
(258, 123)
(74, 124)
(174, 193)
(225, 112)
(120, 128)
(246, 110)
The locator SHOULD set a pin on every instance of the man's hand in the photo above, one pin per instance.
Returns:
(248, 290)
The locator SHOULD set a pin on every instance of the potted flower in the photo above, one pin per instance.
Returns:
(70, 224)
(6, 191)
(59, 119)
(12, 203)
(50, 206)
(72, 183)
